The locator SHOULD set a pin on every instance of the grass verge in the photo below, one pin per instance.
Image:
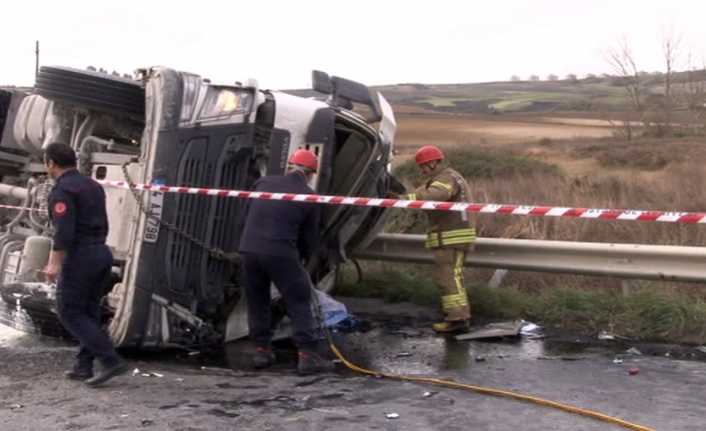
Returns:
(649, 313)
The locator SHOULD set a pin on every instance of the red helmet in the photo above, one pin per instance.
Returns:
(428, 153)
(305, 158)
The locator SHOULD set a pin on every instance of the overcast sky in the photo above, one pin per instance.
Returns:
(375, 42)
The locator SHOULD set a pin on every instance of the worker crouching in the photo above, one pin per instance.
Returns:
(450, 235)
(277, 239)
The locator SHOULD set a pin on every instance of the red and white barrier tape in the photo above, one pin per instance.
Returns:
(539, 211)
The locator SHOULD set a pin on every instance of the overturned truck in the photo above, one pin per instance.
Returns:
(176, 280)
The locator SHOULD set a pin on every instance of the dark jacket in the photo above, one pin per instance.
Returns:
(77, 210)
(279, 228)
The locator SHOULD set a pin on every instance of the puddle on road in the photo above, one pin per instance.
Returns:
(430, 354)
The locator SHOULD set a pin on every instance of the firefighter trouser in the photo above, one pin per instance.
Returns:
(449, 280)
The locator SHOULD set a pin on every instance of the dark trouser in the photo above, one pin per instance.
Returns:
(79, 292)
(293, 283)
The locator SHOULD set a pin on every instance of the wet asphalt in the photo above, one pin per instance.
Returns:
(175, 391)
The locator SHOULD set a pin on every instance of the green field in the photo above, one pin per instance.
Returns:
(596, 94)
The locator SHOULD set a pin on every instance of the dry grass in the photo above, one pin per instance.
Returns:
(587, 172)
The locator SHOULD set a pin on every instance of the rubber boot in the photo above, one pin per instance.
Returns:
(451, 327)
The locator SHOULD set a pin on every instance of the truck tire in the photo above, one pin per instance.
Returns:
(94, 90)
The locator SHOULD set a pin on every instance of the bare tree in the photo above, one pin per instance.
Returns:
(670, 53)
(692, 95)
(515, 78)
(572, 77)
(552, 77)
(622, 60)
(591, 76)
(534, 78)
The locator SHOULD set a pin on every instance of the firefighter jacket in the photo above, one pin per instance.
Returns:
(447, 228)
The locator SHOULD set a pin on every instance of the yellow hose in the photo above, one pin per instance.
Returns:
(495, 392)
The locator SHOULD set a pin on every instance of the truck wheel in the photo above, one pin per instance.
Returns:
(99, 91)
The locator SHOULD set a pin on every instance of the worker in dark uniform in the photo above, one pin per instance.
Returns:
(277, 238)
(81, 262)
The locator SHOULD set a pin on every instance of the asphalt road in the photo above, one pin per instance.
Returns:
(171, 394)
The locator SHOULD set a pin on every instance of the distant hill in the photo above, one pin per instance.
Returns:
(605, 93)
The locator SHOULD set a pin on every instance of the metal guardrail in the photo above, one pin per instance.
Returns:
(650, 262)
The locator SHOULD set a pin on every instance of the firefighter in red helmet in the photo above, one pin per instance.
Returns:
(450, 235)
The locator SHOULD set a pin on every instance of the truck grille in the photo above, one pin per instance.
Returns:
(212, 220)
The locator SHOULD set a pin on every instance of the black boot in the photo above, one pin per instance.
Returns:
(79, 375)
(108, 373)
(263, 358)
(311, 362)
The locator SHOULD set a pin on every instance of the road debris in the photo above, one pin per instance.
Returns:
(480, 358)
(701, 349)
(494, 330)
(392, 416)
(633, 351)
(561, 358)
(429, 394)
(16, 406)
(617, 361)
(332, 311)
(531, 330)
(633, 371)
(607, 336)
(603, 335)
(403, 355)
(146, 422)
(137, 372)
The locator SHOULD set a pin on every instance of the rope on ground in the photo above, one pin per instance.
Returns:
(490, 391)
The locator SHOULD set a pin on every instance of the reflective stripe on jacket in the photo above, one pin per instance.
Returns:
(447, 228)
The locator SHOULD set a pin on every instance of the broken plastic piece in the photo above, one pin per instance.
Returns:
(633, 351)
(392, 416)
(428, 394)
(494, 330)
(530, 329)
(617, 361)
(633, 371)
(605, 336)
(403, 355)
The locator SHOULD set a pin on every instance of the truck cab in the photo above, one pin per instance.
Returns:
(176, 277)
